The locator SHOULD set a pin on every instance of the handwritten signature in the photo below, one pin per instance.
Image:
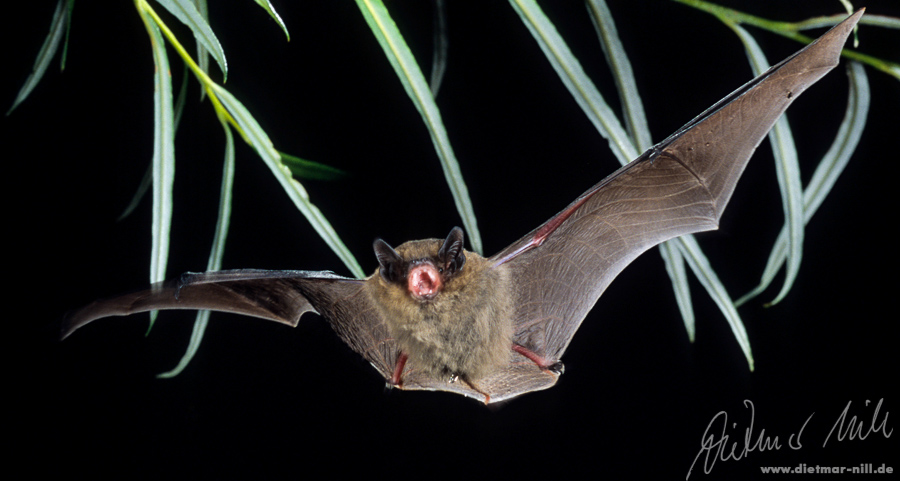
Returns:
(716, 444)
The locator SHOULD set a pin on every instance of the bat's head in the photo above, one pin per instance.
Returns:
(423, 267)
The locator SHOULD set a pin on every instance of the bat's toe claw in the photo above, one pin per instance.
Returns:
(557, 367)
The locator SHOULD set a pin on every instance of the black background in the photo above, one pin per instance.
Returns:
(262, 400)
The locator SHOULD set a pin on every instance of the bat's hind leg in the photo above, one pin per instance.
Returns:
(468, 382)
(545, 364)
(396, 379)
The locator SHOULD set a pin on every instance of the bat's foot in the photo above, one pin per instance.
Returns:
(473, 386)
(555, 367)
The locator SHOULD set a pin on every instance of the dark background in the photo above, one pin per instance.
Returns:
(262, 400)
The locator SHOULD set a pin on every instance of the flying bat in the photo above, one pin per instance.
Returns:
(435, 316)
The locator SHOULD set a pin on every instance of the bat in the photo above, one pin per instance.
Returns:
(434, 316)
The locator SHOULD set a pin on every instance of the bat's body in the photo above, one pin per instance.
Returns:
(434, 316)
(454, 323)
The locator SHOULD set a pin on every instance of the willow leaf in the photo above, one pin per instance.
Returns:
(307, 169)
(143, 188)
(827, 172)
(700, 265)
(216, 253)
(70, 6)
(576, 80)
(45, 54)
(257, 137)
(595, 107)
(439, 54)
(267, 6)
(187, 13)
(163, 151)
(674, 262)
(789, 30)
(202, 53)
(407, 70)
(787, 168)
(636, 122)
(147, 179)
(632, 107)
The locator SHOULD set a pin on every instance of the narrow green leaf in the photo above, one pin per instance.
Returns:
(674, 262)
(580, 86)
(202, 53)
(307, 169)
(196, 338)
(875, 20)
(163, 151)
(267, 6)
(187, 13)
(847, 138)
(439, 55)
(407, 69)
(789, 29)
(787, 168)
(147, 179)
(180, 100)
(827, 172)
(257, 138)
(45, 55)
(215, 254)
(636, 121)
(632, 107)
(708, 279)
(142, 190)
(595, 107)
(788, 175)
(70, 7)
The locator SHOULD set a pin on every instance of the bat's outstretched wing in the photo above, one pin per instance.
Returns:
(284, 296)
(678, 187)
(281, 296)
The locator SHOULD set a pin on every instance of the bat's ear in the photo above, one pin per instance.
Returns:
(390, 262)
(451, 254)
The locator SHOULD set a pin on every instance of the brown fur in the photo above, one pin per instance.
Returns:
(465, 331)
